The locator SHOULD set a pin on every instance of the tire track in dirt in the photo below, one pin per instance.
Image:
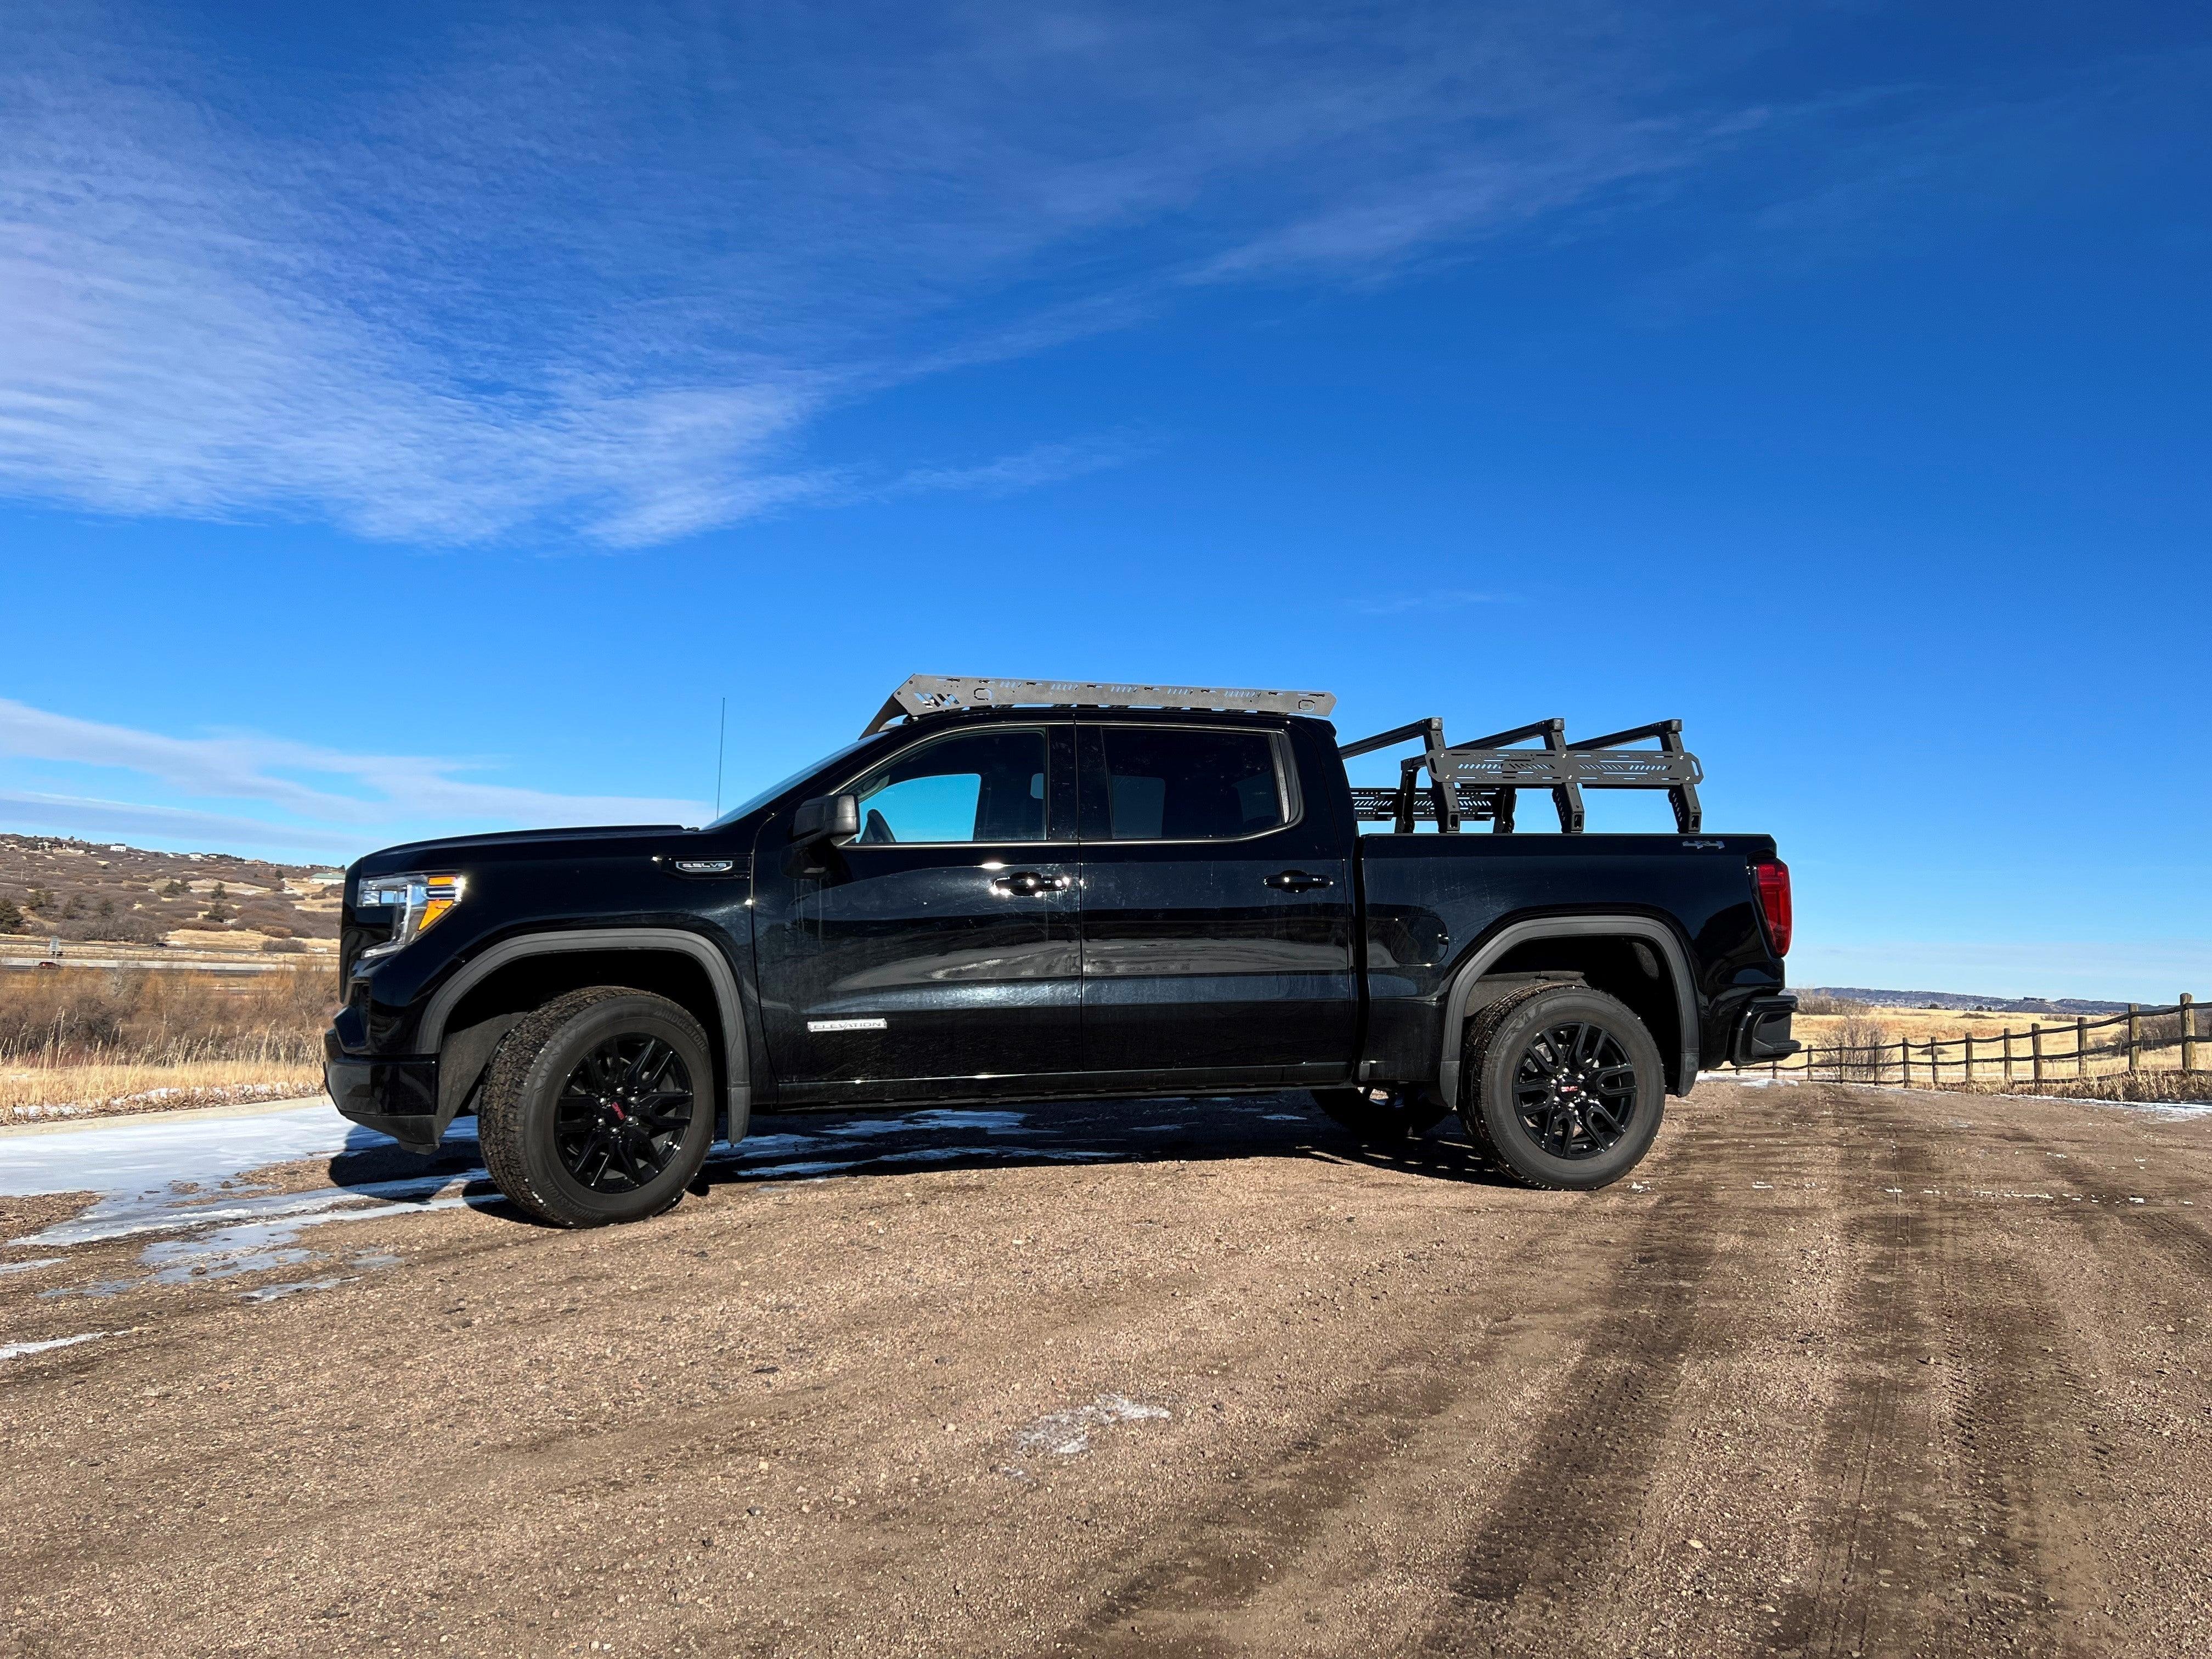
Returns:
(1583, 1479)
(1944, 1435)
(1220, 1559)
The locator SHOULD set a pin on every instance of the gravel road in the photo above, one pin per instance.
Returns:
(1843, 1371)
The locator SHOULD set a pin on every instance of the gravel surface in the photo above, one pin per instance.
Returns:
(1843, 1371)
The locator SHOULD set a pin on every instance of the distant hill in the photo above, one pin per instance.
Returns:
(1959, 1001)
(109, 892)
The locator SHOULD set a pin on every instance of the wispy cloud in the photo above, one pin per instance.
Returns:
(602, 281)
(317, 797)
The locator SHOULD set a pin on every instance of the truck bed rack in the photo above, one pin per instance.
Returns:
(946, 694)
(1482, 779)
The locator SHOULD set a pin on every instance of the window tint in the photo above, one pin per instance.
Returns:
(1164, 785)
(982, 786)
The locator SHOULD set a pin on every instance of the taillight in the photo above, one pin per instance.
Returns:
(1774, 902)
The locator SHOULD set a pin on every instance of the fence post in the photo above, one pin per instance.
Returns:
(2008, 1056)
(2035, 1048)
(2080, 1045)
(1904, 1061)
(1970, 1060)
(2188, 1032)
(2135, 1037)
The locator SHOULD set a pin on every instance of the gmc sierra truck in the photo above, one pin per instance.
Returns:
(1023, 890)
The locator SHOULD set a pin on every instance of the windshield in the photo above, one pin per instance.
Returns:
(778, 787)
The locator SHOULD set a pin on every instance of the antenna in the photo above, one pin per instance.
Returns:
(721, 731)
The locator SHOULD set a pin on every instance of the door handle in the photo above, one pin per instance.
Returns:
(1297, 881)
(1028, 883)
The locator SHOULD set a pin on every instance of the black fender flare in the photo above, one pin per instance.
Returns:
(736, 1058)
(1648, 929)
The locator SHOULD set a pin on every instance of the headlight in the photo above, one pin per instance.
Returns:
(420, 900)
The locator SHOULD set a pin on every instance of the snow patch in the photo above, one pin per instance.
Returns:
(17, 1350)
(1066, 1434)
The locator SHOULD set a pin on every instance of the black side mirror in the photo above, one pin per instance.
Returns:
(833, 818)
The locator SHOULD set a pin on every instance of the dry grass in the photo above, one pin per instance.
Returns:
(29, 1093)
(93, 1042)
(2173, 1088)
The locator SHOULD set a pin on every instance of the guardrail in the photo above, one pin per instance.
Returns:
(2164, 1038)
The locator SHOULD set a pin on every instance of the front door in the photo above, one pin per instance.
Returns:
(1217, 912)
(938, 955)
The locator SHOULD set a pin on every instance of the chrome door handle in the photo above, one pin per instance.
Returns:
(1028, 883)
(1297, 881)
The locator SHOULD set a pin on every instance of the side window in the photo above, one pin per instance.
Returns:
(1166, 785)
(974, 786)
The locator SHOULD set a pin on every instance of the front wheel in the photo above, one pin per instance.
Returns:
(1562, 1087)
(598, 1107)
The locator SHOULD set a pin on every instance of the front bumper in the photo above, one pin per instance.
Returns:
(1763, 1032)
(397, 1097)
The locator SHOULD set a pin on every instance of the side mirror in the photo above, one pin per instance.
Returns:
(832, 818)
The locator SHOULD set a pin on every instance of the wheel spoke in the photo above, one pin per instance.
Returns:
(622, 1112)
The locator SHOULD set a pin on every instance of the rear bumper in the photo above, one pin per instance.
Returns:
(397, 1097)
(1762, 1034)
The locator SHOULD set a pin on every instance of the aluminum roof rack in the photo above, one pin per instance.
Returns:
(942, 694)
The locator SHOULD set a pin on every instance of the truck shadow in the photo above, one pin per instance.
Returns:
(863, 1142)
(1149, 1130)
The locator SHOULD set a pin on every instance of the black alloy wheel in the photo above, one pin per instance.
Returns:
(622, 1113)
(598, 1106)
(1561, 1085)
(1575, 1089)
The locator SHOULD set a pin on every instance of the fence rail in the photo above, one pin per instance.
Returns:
(2161, 1038)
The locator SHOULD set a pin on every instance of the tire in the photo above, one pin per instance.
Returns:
(1562, 1087)
(564, 1119)
(1384, 1116)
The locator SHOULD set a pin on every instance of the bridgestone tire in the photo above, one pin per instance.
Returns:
(515, 1113)
(1399, 1116)
(1498, 1040)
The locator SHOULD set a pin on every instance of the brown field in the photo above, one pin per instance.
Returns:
(105, 1041)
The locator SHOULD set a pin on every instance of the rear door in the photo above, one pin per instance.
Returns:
(938, 954)
(1217, 911)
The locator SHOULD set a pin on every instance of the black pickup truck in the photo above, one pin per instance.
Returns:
(1045, 889)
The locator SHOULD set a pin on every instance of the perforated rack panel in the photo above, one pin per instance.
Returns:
(943, 694)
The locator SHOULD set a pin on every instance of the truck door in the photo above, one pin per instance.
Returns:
(1217, 911)
(937, 954)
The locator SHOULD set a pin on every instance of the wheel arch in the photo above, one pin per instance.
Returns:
(1585, 945)
(468, 1015)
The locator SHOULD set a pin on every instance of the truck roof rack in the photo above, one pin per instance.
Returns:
(943, 694)
(1482, 779)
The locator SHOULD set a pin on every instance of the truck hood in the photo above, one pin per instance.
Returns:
(582, 840)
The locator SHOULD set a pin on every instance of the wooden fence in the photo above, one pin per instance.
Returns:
(2162, 1038)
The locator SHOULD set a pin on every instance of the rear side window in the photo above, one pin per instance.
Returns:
(1167, 785)
(978, 786)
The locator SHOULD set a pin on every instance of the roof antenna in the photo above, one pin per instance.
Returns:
(721, 731)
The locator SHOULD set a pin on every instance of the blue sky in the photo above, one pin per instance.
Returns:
(416, 423)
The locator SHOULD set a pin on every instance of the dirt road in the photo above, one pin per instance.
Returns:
(1846, 1371)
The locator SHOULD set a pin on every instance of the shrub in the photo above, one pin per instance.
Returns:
(82, 1016)
(11, 916)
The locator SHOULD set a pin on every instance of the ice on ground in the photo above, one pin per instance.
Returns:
(17, 1350)
(278, 1292)
(1065, 1434)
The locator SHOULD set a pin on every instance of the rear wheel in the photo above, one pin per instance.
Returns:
(598, 1107)
(1562, 1086)
(1384, 1115)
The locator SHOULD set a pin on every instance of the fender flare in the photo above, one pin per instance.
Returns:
(1651, 932)
(736, 1058)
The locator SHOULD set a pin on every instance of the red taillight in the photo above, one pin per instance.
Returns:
(1774, 902)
